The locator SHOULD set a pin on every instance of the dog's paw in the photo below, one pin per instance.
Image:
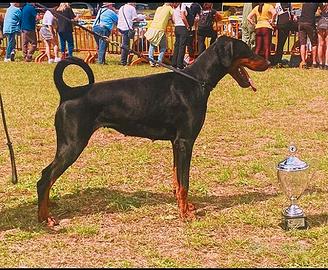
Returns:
(51, 222)
(188, 214)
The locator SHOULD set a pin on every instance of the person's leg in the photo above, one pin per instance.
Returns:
(96, 30)
(70, 43)
(326, 48)
(62, 44)
(245, 35)
(151, 51)
(314, 56)
(283, 32)
(125, 49)
(47, 45)
(259, 41)
(25, 42)
(267, 39)
(101, 51)
(201, 43)
(10, 53)
(251, 30)
(54, 42)
(182, 47)
(1, 35)
(302, 38)
(191, 44)
(176, 46)
(303, 53)
(10, 44)
(33, 41)
(102, 46)
(313, 36)
(56, 50)
(162, 49)
(321, 43)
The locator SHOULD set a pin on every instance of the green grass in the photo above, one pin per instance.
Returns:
(116, 205)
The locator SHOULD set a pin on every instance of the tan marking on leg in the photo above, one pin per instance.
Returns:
(43, 212)
(175, 181)
(186, 210)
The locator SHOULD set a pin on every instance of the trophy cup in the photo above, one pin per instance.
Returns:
(293, 177)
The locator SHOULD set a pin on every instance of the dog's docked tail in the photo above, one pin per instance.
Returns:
(66, 92)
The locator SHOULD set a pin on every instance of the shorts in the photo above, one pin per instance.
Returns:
(46, 33)
(307, 30)
(323, 23)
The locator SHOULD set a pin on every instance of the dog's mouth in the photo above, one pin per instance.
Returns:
(239, 73)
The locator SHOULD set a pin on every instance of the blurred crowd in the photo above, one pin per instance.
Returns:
(261, 19)
(193, 24)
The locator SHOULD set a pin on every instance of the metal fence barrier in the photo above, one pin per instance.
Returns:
(84, 42)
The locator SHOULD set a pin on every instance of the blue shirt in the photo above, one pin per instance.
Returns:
(28, 17)
(106, 17)
(11, 23)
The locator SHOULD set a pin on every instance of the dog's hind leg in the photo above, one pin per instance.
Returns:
(70, 144)
(183, 153)
(63, 159)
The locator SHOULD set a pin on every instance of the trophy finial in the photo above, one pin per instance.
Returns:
(292, 148)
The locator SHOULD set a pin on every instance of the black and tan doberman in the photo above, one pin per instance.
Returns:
(165, 106)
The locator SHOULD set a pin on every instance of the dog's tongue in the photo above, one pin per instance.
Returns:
(245, 73)
(240, 74)
(252, 84)
(248, 78)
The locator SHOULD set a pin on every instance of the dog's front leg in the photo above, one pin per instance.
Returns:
(175, 173)
(182, 154)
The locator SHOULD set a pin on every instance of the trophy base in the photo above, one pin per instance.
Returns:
(290, 223)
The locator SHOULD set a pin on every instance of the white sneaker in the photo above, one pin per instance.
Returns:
(57, 59)
(7, 60)
(50, 61)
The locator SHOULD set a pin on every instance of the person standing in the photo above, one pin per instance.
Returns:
(265, 15)
(207, 17)
(104, 22)
(193, 12)
(182, 29)
(127, 14)
(29, 14)
(307, 29)
(11, 27)
(286, 22)
(323, 37)
(1, 26)
(65, 29)
(156, 32)
(247, 29)
(48, 34)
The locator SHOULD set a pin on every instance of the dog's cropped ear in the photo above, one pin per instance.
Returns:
(226, 53)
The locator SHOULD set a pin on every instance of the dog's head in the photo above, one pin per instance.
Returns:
(234, 55)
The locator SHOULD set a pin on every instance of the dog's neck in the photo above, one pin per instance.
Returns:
(207, 68)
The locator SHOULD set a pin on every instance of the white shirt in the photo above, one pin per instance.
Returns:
(47, 18)
(177, 14)
(130, 15)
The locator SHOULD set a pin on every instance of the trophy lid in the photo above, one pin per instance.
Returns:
(292, 163)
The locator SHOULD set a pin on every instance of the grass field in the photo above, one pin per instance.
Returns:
(115, 204)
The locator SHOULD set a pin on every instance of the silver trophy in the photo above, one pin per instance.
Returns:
(293, 177)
